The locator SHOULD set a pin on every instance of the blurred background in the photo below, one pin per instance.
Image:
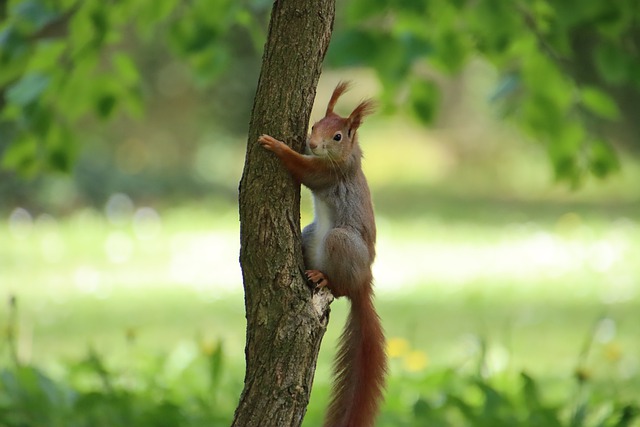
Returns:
(509, 246)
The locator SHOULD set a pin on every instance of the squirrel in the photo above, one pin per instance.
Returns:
(338, 249)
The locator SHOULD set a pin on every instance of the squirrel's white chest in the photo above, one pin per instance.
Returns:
(324, 223)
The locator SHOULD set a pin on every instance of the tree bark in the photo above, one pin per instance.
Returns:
(286, 320)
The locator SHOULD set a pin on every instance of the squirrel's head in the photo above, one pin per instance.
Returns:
(334, 136)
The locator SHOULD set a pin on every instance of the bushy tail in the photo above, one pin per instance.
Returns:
(360, 367)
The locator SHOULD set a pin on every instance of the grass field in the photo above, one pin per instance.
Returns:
(471, 292)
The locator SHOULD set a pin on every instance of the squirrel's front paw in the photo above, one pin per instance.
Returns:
(269, 142)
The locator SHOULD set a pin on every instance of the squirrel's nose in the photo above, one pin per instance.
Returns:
(312, 145)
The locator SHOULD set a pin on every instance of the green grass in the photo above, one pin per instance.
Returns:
(139, 321)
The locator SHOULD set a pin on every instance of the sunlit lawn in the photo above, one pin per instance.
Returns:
(526, 286)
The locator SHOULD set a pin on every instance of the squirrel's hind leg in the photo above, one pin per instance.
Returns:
(348, 261)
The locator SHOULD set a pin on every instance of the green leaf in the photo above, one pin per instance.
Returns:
(46, 57)
(88, 29)
(76, 95)
(36, 13)
(209, 63)
(541, 115)
(358, 10)
(166, 414)
(215, 360)
(28, 89)
(494, 26)
(564, 147)
(21, 156)
(421, 408)
(627, 414)
(566, 169)
(353, 47)
(157, 10)
(37, 119)
(60, 148)
(602, 159)
(451, 51)
(580, 415)
(494, 401)
(539, 414)
(466, 410)
(14, 54)
(100, 20)
(530, 390)
(611, 63)
(125, 68)
(391, 55)
(105, 105)
(424, 98)
(613, 19)
(600, 103)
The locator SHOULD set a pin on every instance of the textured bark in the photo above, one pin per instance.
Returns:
(285, 319)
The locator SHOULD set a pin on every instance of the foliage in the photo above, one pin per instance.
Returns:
(446, 398)
(549, 82)
(62, 62)
(189, 389)
(183, 388)
(31, 397)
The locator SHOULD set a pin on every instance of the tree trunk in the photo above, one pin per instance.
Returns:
(285, 319)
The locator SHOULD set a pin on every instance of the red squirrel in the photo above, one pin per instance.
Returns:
(339, 248)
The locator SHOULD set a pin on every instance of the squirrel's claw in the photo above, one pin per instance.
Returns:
(268, 142)
(317, 278)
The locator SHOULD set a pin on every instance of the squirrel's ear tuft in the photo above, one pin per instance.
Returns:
(342, 87)
(366, 107)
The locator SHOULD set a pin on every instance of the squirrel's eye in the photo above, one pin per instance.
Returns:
(337, 137)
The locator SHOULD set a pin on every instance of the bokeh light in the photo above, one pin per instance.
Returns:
(119, 209)
(20, 223)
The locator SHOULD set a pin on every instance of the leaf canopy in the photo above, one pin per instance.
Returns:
(568, 70)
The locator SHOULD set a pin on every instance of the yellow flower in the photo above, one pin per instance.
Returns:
(415, 361)
(207, 346)
(397, 347)
(613, 352)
